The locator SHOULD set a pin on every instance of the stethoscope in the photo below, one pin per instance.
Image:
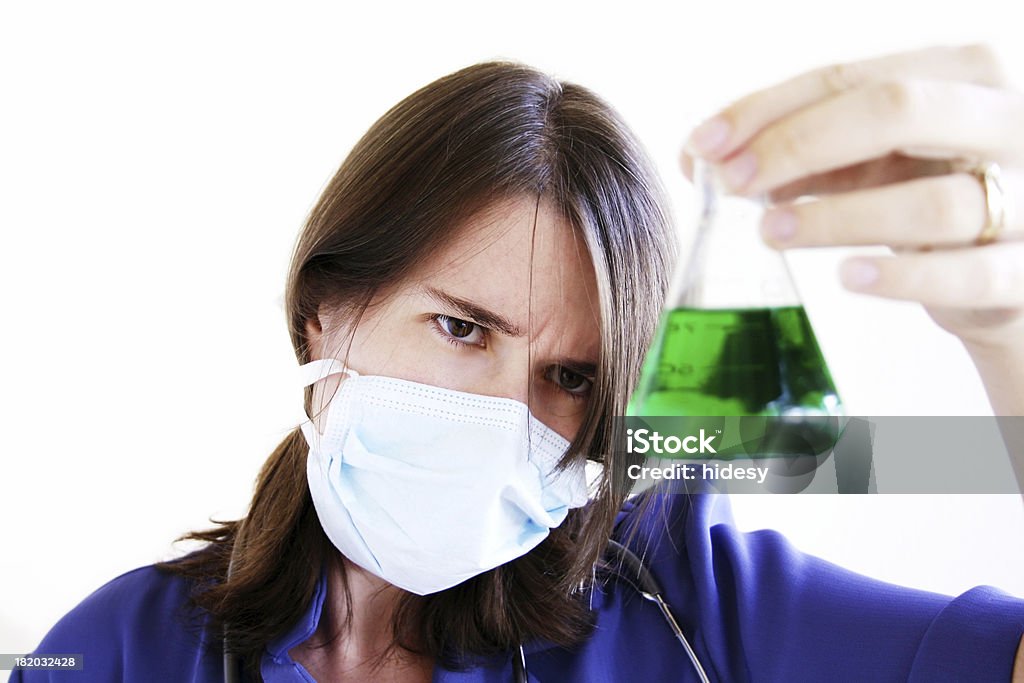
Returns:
(630, 569)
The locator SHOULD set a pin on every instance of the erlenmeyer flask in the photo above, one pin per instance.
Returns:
(734, 338)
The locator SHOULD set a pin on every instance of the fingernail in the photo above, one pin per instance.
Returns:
(778, 224)
(709, 137)
(858, 273)
(738, 172)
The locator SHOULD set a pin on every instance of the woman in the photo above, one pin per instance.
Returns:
(470, 302)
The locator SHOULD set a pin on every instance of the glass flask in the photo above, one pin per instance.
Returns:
(734, 338)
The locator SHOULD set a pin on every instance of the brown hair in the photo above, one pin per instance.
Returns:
(491, 130)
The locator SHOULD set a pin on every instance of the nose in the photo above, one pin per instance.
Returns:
(510, 379)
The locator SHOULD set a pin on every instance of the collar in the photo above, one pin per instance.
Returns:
(305, 626)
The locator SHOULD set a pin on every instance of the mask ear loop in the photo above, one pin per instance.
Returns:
(311, 373)
(316, 370)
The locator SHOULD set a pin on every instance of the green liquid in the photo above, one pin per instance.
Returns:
(752, 361)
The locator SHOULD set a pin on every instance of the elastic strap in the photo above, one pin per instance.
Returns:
(316, 370)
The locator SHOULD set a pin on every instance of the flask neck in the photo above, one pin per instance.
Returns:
(729, 266)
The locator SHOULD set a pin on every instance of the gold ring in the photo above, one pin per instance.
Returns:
(988, 174)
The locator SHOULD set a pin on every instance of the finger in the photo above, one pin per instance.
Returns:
(686, 163)
(978, 277)
(726, 132)
(892, 168)
(947, 210)
(870, 122)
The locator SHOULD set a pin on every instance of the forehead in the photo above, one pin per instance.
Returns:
(521, 257)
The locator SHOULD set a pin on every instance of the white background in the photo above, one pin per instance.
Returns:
(156, 165)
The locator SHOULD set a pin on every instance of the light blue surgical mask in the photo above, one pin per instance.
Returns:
(427, 487)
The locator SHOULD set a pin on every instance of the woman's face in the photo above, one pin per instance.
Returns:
(502, 310)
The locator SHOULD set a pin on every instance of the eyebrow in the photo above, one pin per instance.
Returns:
(495, 321)
(475, 313)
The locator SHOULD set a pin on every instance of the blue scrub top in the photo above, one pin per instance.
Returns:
(754, 608)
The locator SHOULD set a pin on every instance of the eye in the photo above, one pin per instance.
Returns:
(570, 381)
(459, 332)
